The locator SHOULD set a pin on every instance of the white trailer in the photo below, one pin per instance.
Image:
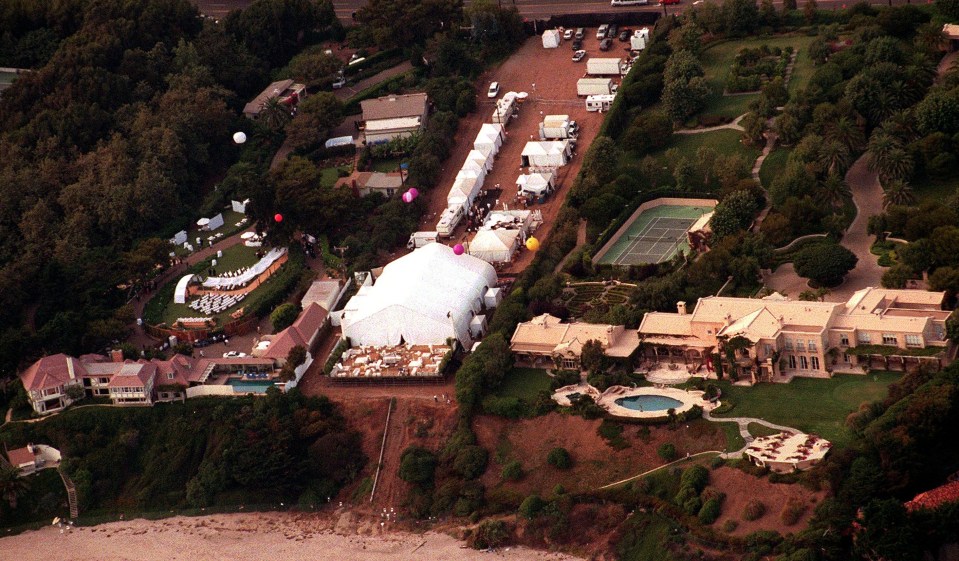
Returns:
(594, 86)
(605, 66)
(554, 126)
(551, 38)
(448, 221)
(637, 43)
(599, 102)
(419, 239)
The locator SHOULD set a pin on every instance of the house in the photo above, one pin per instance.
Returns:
(950, 32)
(288, 93)
(426, 297)
(775, 338)
(48, 380)
(546, 340)
(787, 452)
(365, 183)
(27, 460)
(394, 116)
(935, 498)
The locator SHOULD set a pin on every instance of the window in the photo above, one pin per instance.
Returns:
(569, 363)
(864, 337)
(789, 344)
(803, 363)
(845, 357)
(815, 362)
(844, 340)
(889, 339)
(940, 333)
(767, 350)
(103, 380)
(913, 341)
(170, 376)
(812, 346)
(792, 361)
(800, 346)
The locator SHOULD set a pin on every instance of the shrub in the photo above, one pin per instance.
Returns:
(710, 512)
(559, 458)
(730, 526)
(489, 534)
(504, 406)
(696, 477)
(532, 505)
(692, 505)
(513, 471)
(417, 466)
(824, 264)
(471, 461)
(754, 510)
(341, 348)
(792, 511)
(717, 462)
(667, 452)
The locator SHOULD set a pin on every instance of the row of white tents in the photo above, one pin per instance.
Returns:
(469, 180)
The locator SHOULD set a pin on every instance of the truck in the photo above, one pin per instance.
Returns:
(448, 221)
(600, 102)
(637, 43)
(419, 239)
(594, 86)
(555, 127)
(605, 66)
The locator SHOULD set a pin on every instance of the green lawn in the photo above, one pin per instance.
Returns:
(773, 166)
(935, 190)
(810, 405)
(724, 142)
(524, 383)
(718, 58)
(758, 430)
(233, 258)
(328, 176)
(388, 165)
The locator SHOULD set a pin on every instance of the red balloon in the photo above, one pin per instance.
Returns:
(278, 217)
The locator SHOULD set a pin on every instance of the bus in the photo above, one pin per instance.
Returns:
(628, 2)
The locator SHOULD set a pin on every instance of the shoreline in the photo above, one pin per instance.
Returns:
(255, 536)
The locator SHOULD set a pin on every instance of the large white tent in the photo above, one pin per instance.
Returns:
(180, 292)
(422, 298)
(495, 246)
(535, 183)
(546, 154)
(489, 139)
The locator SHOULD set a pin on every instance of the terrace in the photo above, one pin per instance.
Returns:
(393, 361)
(786, 452)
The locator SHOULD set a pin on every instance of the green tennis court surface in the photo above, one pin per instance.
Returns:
(654, 236)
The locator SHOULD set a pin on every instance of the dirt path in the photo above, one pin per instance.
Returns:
(731, 126)
(580, 242)
(388, 486)
(945, 65)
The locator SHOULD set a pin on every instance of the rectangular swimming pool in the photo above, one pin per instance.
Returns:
(250, 386)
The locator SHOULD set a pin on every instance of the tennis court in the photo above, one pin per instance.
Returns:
(653, 235)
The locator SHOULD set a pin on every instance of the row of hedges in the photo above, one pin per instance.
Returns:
(335, 355)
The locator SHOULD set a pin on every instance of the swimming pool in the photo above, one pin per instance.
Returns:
(250, 386)
(649, 402)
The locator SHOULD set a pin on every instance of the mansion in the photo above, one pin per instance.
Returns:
(760, 339)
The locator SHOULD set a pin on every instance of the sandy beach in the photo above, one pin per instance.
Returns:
(248, 537)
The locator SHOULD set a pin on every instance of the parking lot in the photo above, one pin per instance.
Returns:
(549, 76)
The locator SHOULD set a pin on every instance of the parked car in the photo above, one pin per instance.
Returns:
(624, 35)
(234, 354)
(568, 34)
(580, 33)
(666, 2)
(577, 44)
(605, 44)
(339, 82)
(493, 90)
(601, 32)
(573, 127)
(613, 31)
(579, 55)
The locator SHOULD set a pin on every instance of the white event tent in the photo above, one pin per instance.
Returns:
(495, 246)
(535, 183)
(546, 154)
(422, 298)
(489, 139)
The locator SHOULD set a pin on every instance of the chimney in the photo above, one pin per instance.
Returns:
(116, 355)
(681, 308)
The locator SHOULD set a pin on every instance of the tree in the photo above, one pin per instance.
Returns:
(12, 486)
(592, 356)
(789, 5)
(297, 356)
(309, 67)
(274, 114)
(809, 11)
(824, 264)
(75, 392)
(559, 458)
(682, 99)
(683, 173)
(733, 214)
(417, 466)
(667, 452)
(284, 316)
(898, 192)
(316, 116)
(897, 276)
(531, 506)
(834, 191)
(682, 65)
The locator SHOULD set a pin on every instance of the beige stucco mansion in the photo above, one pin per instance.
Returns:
(763, 339)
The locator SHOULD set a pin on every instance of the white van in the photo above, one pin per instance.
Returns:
(599, 102)
(601, 32)
(419, 239)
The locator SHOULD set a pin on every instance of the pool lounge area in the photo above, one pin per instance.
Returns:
(250, 386)
(635, 403)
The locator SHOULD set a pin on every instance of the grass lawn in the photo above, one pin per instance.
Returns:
(773, 166)
(809, 404)
(724, 142)
(233, 258)
(328, 176)
(718, 58)
(524, 383)
(388, 165)
(758, 430)
(230, 219)
(935, 189)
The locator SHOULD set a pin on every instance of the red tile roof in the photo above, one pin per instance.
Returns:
(21, 456)
(310, 321)
(934, 498)
(302, 332)
(51, 371)
(133, 375)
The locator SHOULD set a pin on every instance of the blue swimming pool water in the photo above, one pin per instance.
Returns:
(250, 386)
(649, 402)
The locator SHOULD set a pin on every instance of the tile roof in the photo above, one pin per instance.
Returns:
(934, 498)
(133, 374)
(545, 333)
(21, 456)
(719, 309)
(394, 106)
(51, 371)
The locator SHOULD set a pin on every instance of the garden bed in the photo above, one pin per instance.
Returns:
(754, 66)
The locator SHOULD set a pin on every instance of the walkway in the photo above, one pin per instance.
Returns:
(580, 242)
(771, 138)
(728, 126)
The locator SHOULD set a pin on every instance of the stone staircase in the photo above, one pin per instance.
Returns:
(71, 494)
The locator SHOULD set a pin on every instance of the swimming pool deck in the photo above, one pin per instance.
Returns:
(607, 399)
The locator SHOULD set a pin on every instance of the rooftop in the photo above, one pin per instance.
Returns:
(394, 361)
(21, 456)
(786, 448)
(546, 333)
(934, 498)
(394, 107)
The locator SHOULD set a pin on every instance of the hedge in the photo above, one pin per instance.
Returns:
(335, 355)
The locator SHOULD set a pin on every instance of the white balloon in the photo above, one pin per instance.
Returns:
(239, 137)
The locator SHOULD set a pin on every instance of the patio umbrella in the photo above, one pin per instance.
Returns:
(247, 235)
(203, 222)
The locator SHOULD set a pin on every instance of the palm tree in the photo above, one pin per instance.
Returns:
(898, 164)
(898, 192)
(880, 145)
(12, 486)
(834, 190)
(833, 157)
(846, 132)
(274, 114)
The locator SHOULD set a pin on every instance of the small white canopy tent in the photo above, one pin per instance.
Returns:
(495, 246)
(551, 38)
(536, 184)
(473, 167)
(546, 154)
(489, 139)
(463, 191)
(179, 293)
(484, 159)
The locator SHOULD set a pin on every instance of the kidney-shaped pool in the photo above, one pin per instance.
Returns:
(649, 403)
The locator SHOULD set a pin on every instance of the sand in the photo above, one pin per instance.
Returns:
(253, 537)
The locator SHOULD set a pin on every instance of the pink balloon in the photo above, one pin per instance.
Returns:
(458, 249)
(414, 192)
(407, 197)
